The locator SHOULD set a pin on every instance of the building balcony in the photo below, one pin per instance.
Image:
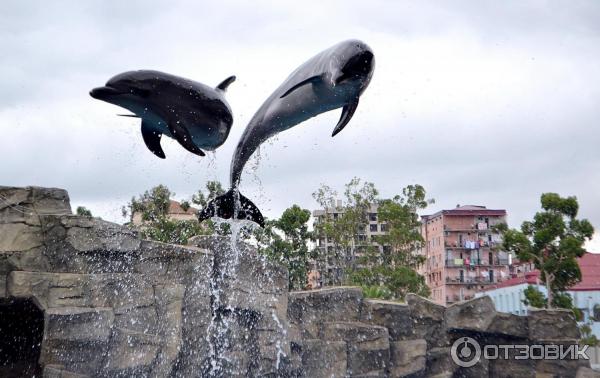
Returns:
(470, 281)
(481, 245)
(460, 263)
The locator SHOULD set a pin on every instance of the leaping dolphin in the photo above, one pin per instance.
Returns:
(194, 114)
(335, 78)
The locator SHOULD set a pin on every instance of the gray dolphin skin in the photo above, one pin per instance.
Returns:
(194, 114)
(335, 78)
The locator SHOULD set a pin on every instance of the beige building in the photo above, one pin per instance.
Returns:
(175, 212)
(330, 266)
(462, 252)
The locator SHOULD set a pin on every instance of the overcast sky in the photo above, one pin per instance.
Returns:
(482, 102)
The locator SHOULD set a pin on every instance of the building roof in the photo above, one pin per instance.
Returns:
(468, 210)
(590, 272)
(175, 208)
(589, 264)
(530, 278)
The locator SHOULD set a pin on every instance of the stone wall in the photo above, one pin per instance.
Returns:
(118, 306)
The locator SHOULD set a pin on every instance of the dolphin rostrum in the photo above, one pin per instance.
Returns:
(335, 78)
(194, 114)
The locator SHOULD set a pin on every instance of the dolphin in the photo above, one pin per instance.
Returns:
(334, 78)
(194, 114)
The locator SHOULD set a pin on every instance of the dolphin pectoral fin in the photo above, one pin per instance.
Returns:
(310, 80)
(224, 206)
(347, 113)
(182, 135)
(152, 140)
(225, 83)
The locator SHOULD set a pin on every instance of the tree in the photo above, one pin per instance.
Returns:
(534, 297)
(83, 211)
(285, 240)
(394, 271)
(553, 241)
(153, 206)
(386, 269)
(213, 190)
(341, 225)
(403, 225)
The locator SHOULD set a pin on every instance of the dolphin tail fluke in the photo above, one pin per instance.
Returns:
(224, 206)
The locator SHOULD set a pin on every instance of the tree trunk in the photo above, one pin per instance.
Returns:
(549, 291)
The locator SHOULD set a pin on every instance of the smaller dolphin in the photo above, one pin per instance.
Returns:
(194, 114)
(335, 78)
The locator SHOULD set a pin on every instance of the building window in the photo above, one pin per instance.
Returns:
(373, 217)
(384, 227)
(373, 227)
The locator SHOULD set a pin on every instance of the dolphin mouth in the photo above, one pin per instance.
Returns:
(102, 93)
(356, 67)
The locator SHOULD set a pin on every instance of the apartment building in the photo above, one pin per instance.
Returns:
(463, 253)
(330, 266)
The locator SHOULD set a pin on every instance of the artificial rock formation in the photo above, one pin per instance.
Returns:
(112, 305)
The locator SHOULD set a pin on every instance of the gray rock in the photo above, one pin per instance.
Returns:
(115, 305)
(322, 358)
(427, 320)
(552, 324)
(131, 351)
(56, 371)
(309, 309)
(19, 237)
(368, 346)
(585, 372)
(473, 315)
(439, 363)
(391, 315)
(407, 357)
(78, 324)
(510, 325)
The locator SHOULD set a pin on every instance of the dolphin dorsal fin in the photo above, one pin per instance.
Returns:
(312, 79)
(225, 83)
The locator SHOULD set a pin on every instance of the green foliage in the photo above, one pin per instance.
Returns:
(395, 282)
(153, 206)
(390, 274)
(83, 211)
(377, 292)
(587, 338)
(534, 297)
(185, 205)
(172, 231)
(404, 235)
(342, 228)
(213, 190)
(552, 241)
(285, 240)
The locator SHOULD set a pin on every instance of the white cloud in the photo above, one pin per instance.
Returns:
(487, 103)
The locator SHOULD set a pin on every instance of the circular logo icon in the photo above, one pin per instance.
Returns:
(465, 352)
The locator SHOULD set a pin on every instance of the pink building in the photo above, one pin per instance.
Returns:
(462, 252)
